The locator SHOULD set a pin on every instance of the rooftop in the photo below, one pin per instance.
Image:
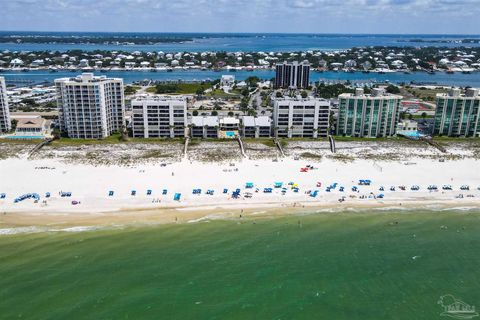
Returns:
(31, 123)
(201, 121)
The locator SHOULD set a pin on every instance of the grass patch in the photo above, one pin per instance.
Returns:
(179, 88)
(311, 156)
(114, 139)
(217, 93)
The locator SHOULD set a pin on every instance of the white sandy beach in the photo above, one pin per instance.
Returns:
(90, 185)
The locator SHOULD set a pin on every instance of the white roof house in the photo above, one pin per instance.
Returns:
(202, 121)
(262, 121)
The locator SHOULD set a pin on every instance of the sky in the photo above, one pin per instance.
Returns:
(262, 16)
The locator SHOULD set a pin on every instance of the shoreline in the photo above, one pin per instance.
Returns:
(84, 221)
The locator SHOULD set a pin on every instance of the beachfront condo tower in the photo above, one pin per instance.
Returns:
(458, 113)
(368, 115)
(301, 117)
(159, 117)
(5, 124)
(90, 107)
(293, 75)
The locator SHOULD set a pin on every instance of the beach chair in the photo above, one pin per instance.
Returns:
(149, 192)
(110, 193)
(3, 196)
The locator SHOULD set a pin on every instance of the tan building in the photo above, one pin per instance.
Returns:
(33, 127)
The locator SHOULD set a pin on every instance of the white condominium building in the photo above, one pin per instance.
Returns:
(301, 117)
(90, 107)
(368, 115)
(204, 127)
(5, 124)
(256, 127)
(159, 117)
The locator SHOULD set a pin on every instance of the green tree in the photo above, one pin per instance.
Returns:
(392, 89)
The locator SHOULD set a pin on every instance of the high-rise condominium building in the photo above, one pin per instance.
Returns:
(90, 107)
(368, 115)
(301, 117)
(159, 117)
(292, 75)
(458, 113)
(5, 124)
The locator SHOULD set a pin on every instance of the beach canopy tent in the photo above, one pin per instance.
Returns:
(47, 195)
(3, 196)
(278, 184)
(33, 196)
(249, 185)
(65, 194)
(133, 192)
(314, 194)
(149, 192)
(164, 192)
(177, 196)
(197, 191)
(267, 190)
(354, 189)
(210, 192)
(110, 193)
(225, 190)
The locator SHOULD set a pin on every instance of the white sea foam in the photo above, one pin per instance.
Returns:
(34, 229)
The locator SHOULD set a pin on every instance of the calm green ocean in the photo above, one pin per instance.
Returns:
(389, 265)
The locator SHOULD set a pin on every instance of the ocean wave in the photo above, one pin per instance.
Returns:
(19, 230)
(34, 229)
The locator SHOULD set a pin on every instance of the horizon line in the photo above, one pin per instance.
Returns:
(251, 33)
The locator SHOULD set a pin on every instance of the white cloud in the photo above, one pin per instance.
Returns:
(372, 16)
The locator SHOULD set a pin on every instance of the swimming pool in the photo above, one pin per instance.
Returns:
(25, 137)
